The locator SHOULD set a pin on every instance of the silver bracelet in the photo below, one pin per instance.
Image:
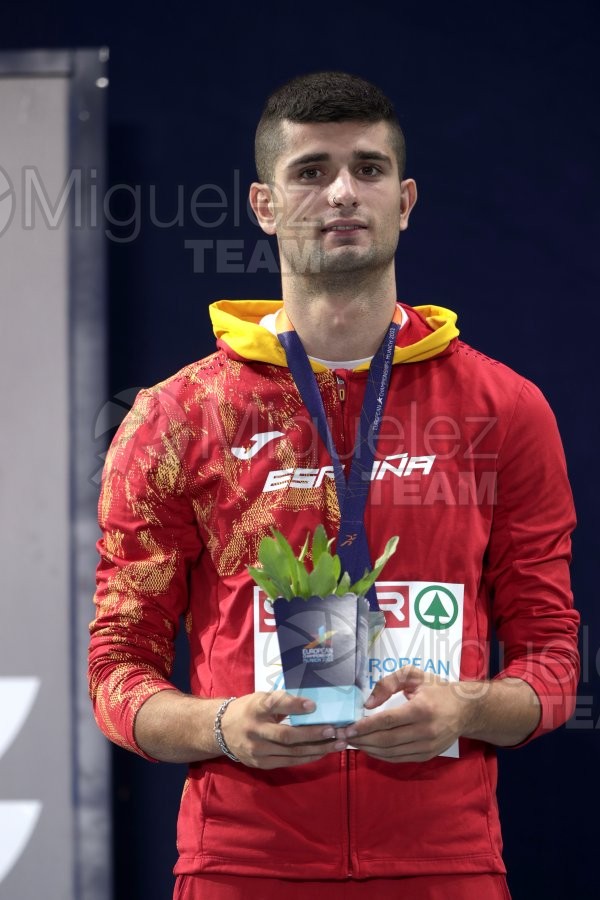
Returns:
(218, 732)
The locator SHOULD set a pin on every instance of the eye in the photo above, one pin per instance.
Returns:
(310, 174)
(370, 171)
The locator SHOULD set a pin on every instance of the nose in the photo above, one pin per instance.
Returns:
(342, 191)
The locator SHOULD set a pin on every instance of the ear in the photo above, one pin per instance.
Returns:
(263, 205)
(408, 198)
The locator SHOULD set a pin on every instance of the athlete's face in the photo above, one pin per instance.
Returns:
(337, 203)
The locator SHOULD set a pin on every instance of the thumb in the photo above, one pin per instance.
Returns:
(276, 705)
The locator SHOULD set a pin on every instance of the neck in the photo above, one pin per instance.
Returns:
(342, 322)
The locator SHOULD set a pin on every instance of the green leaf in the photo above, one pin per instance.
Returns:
(283, 544)
(265, 583)
(304, 551)
(361, 586)
(320, 544)
(323, 579)
(272, 558)
(388, 551)
(337, 567)
(344, 585)
(303, 582)
(275, 565)
(288, 560)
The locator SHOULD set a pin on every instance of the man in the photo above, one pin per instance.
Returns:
(207, 462)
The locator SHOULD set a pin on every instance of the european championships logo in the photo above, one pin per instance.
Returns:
(319, 650)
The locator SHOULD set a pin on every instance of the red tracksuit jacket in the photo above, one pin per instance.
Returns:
(469, 473)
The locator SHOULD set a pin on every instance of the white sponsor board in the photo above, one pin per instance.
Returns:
(424, 627)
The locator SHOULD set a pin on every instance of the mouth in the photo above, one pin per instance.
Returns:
(343, 227)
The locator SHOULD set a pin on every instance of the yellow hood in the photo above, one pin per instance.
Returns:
(236, 324)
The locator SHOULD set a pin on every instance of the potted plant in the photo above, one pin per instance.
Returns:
(322, 621)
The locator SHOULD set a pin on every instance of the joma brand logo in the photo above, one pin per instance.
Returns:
(257, 442)
(401, 465)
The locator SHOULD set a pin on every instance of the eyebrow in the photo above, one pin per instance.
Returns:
(309, 158)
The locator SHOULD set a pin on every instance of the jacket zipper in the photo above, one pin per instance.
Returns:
(345, 755)
(345, 765)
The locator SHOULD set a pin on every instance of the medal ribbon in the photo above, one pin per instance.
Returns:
(352, 546)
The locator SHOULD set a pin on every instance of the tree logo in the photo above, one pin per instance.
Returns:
(436, 607)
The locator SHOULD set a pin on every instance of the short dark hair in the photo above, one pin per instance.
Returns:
(322, 97)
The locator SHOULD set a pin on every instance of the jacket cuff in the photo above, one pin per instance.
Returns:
(117, 705)
(555, 689)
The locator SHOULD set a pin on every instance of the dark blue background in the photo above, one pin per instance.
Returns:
(499, 105)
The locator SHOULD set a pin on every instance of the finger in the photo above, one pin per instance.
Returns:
(280, 704)
(300, 739)
(271, 754)
(402, 756)
(404, 679)
(415, 751)
(279, 762)
(399, 717)
(397, 737)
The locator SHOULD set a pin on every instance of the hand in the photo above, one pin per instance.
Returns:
(252, 730)
(427, 724)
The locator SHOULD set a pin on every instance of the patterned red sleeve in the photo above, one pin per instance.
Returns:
(150, 539)
(528, 561)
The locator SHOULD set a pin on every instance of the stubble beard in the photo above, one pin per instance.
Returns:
(340, 269)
